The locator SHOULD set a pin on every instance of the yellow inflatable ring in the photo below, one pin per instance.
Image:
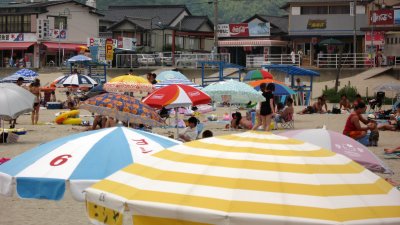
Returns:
(65, 115)
(73, 121)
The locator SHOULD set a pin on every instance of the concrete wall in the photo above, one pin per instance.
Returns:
(80, 25)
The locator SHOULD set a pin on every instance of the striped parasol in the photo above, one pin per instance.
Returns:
(249, 178)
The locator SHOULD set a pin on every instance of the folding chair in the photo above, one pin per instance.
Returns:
(285, 124)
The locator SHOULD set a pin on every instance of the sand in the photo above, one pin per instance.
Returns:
(15, 211)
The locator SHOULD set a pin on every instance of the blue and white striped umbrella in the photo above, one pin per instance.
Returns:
(176, 81)
(170, 74)
(82, 159)
(79, 58)
(76, 80)
(27, 74)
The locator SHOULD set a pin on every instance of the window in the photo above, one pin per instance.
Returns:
(339, 9)
(296, 11)
(308, 10)
(180, 42)
(26, 23)
(387, 41)
(14, 24)
(191, 43)
(395, 40)
(168, 38)
(59, 22)
(3, 24)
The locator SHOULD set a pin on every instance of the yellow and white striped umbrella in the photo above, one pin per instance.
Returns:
(248, 178)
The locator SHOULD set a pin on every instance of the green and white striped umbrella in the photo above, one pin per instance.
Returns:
(238, 92)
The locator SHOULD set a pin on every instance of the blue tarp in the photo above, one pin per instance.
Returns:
(291, 70)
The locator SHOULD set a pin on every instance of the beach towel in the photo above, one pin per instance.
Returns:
(395, 155)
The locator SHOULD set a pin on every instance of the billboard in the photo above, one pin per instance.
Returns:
(382, 17)
(18, 37)
(397, 16)
(244, 29)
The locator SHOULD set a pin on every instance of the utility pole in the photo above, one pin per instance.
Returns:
(355, 33)
(371, 49)
(215, 48)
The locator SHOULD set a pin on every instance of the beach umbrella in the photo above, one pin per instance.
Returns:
(176, 95)
(250, 178)
(14, 101)
(258, 75)
(128, 83)
(76, 80)
(122, 107)
(340, 144)
(392, 87)
(80, 159)
(176, 81)
(280, 89)
(235, 91)
(168, 75)
(27, 74)
(79, 58)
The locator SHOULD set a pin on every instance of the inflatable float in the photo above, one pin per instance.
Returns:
(19, 131)
(70, 117)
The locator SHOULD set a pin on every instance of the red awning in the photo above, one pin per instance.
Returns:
(250, 42)
(15, 45)
(66, 46)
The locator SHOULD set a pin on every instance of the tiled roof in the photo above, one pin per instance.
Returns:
(160, 13)
(193, 23)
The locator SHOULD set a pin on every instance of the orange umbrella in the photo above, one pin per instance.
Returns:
(82, 48)
(258, 82)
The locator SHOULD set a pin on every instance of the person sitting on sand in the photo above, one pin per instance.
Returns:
(315, 108)
(353, 128)
(99, 121)
(190, 132)
(357, 100)
(239, 122)
(345, 103)
(287, 113)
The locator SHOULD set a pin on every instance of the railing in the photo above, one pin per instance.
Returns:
(181, 60)
(262, 59)
(347, 60)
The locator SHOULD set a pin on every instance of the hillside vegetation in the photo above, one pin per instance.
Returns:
(230, 11)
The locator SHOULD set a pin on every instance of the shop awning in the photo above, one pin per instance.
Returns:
(15, 45)
(250, 42)
(66, 46)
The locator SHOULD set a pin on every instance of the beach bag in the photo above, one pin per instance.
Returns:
(336, 110)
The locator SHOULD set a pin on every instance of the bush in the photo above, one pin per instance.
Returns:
(334, 97)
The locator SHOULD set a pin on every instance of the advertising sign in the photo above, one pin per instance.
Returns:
(239, 30)
(129, 43)
(17, 37)
(259, 29)
(316, 24)
(223, 30)
(378, 38)
(94, 53)
(382, 17)
(397, 16)
(58, 34)
(100, 42)
(109, 49)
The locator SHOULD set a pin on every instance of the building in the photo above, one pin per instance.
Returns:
(258, 35)
(157, 28)
(312, 21)
(384, 24)
(44, 33)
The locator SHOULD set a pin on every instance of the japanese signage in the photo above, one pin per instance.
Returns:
(17, 37)
(58, 34)
(109, 49)
(127, 43)
(101, 44)
(316, 24)
(244, 29)
(382, 17)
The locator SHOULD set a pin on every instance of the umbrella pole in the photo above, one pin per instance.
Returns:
(3, 134)
(229, 116)
(176, 123)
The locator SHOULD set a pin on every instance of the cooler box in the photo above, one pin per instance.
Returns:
(54, 105)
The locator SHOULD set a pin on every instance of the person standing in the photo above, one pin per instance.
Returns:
(34, 88)
(267, 108)
(293, 56)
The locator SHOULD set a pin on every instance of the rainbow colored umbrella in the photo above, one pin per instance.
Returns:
(128, 83)
(258, 75)
(280, 87)
(123, 108)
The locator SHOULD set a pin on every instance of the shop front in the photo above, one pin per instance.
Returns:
(56, 53)
(17, 49)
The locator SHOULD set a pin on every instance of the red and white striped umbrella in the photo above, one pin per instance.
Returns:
(176, 95)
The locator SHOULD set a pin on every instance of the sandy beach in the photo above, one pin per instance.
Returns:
(15, 211)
